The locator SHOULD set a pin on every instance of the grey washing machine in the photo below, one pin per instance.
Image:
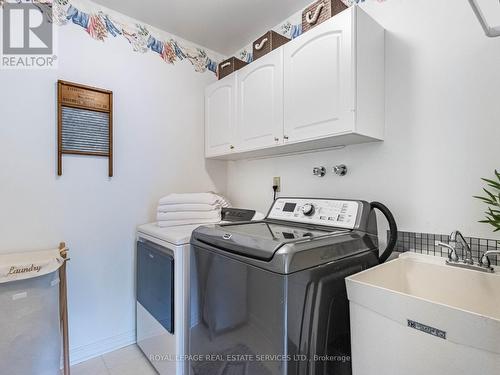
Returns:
(271, 294)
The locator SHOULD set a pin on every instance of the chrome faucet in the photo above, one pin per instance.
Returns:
(467, 261)
(452, 252)
(466, 252)
(485, 261)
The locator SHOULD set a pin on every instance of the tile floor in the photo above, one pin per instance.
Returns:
(126, 361)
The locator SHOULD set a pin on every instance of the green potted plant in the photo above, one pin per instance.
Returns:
(492, 198)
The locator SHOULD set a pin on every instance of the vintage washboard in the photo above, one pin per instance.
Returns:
(84, 122)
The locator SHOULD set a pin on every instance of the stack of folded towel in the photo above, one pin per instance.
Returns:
(193, 208)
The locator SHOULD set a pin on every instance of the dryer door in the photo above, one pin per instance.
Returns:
(155, 282)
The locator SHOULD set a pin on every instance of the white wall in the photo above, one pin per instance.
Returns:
(442, 127)
(158, 145)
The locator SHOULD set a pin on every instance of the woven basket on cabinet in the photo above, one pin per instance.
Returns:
(267, 43)
(319, 12)
(230, 66)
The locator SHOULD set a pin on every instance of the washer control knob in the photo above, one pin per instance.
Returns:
(308, 209)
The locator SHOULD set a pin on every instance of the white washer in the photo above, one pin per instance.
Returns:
(163, 260)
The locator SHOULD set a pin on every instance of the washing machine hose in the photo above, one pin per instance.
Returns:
(393, 230)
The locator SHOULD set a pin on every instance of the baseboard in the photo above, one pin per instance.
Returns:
(101, 347)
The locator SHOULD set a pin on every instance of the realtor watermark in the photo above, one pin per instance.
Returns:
(235, 357)
(28, 35)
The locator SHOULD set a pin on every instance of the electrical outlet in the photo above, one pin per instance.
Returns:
(277, 182)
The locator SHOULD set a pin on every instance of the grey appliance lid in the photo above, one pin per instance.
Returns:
(260, 239)
(275, 232)
(298, 233)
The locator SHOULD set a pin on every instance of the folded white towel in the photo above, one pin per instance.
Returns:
(194, 198)
(188, 207)
(189, 215)
(175, 223)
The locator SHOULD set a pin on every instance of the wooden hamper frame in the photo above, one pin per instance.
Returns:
(63, 308)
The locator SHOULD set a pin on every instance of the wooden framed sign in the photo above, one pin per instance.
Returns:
(84, 122)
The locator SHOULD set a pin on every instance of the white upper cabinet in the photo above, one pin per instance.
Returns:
(220, 116)
(319, 96)
(325, 88)
(260, 103)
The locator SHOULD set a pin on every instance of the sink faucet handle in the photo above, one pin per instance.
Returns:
(485, 260)
(452, 252)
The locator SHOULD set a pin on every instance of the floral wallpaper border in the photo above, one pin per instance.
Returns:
(291, 28)
(102, 24)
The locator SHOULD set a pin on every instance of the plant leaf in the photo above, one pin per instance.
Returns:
(493, 198)
(487, 200)
(495, 216)
(493, 184)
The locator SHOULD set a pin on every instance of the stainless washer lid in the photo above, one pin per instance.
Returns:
(258, 240)
(294, 237)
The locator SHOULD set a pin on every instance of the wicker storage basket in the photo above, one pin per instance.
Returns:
(229, 66)
(268, 42)
(319, 12)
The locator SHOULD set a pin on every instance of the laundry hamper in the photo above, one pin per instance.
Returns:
(30, 341)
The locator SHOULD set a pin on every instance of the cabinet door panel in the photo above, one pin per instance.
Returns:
(220, 116)
(319, 93)
(260, 103)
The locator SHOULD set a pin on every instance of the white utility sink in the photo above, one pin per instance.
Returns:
(416, 315)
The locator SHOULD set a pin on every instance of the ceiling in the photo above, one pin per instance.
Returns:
(223, 26)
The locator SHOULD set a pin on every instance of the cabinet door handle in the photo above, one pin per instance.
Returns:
(312, 19)
(260, 45)
(231, 147)
(225, 65)
(276, 139)
(285, 137)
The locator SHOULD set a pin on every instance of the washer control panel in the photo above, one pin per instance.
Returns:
(330, 212)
